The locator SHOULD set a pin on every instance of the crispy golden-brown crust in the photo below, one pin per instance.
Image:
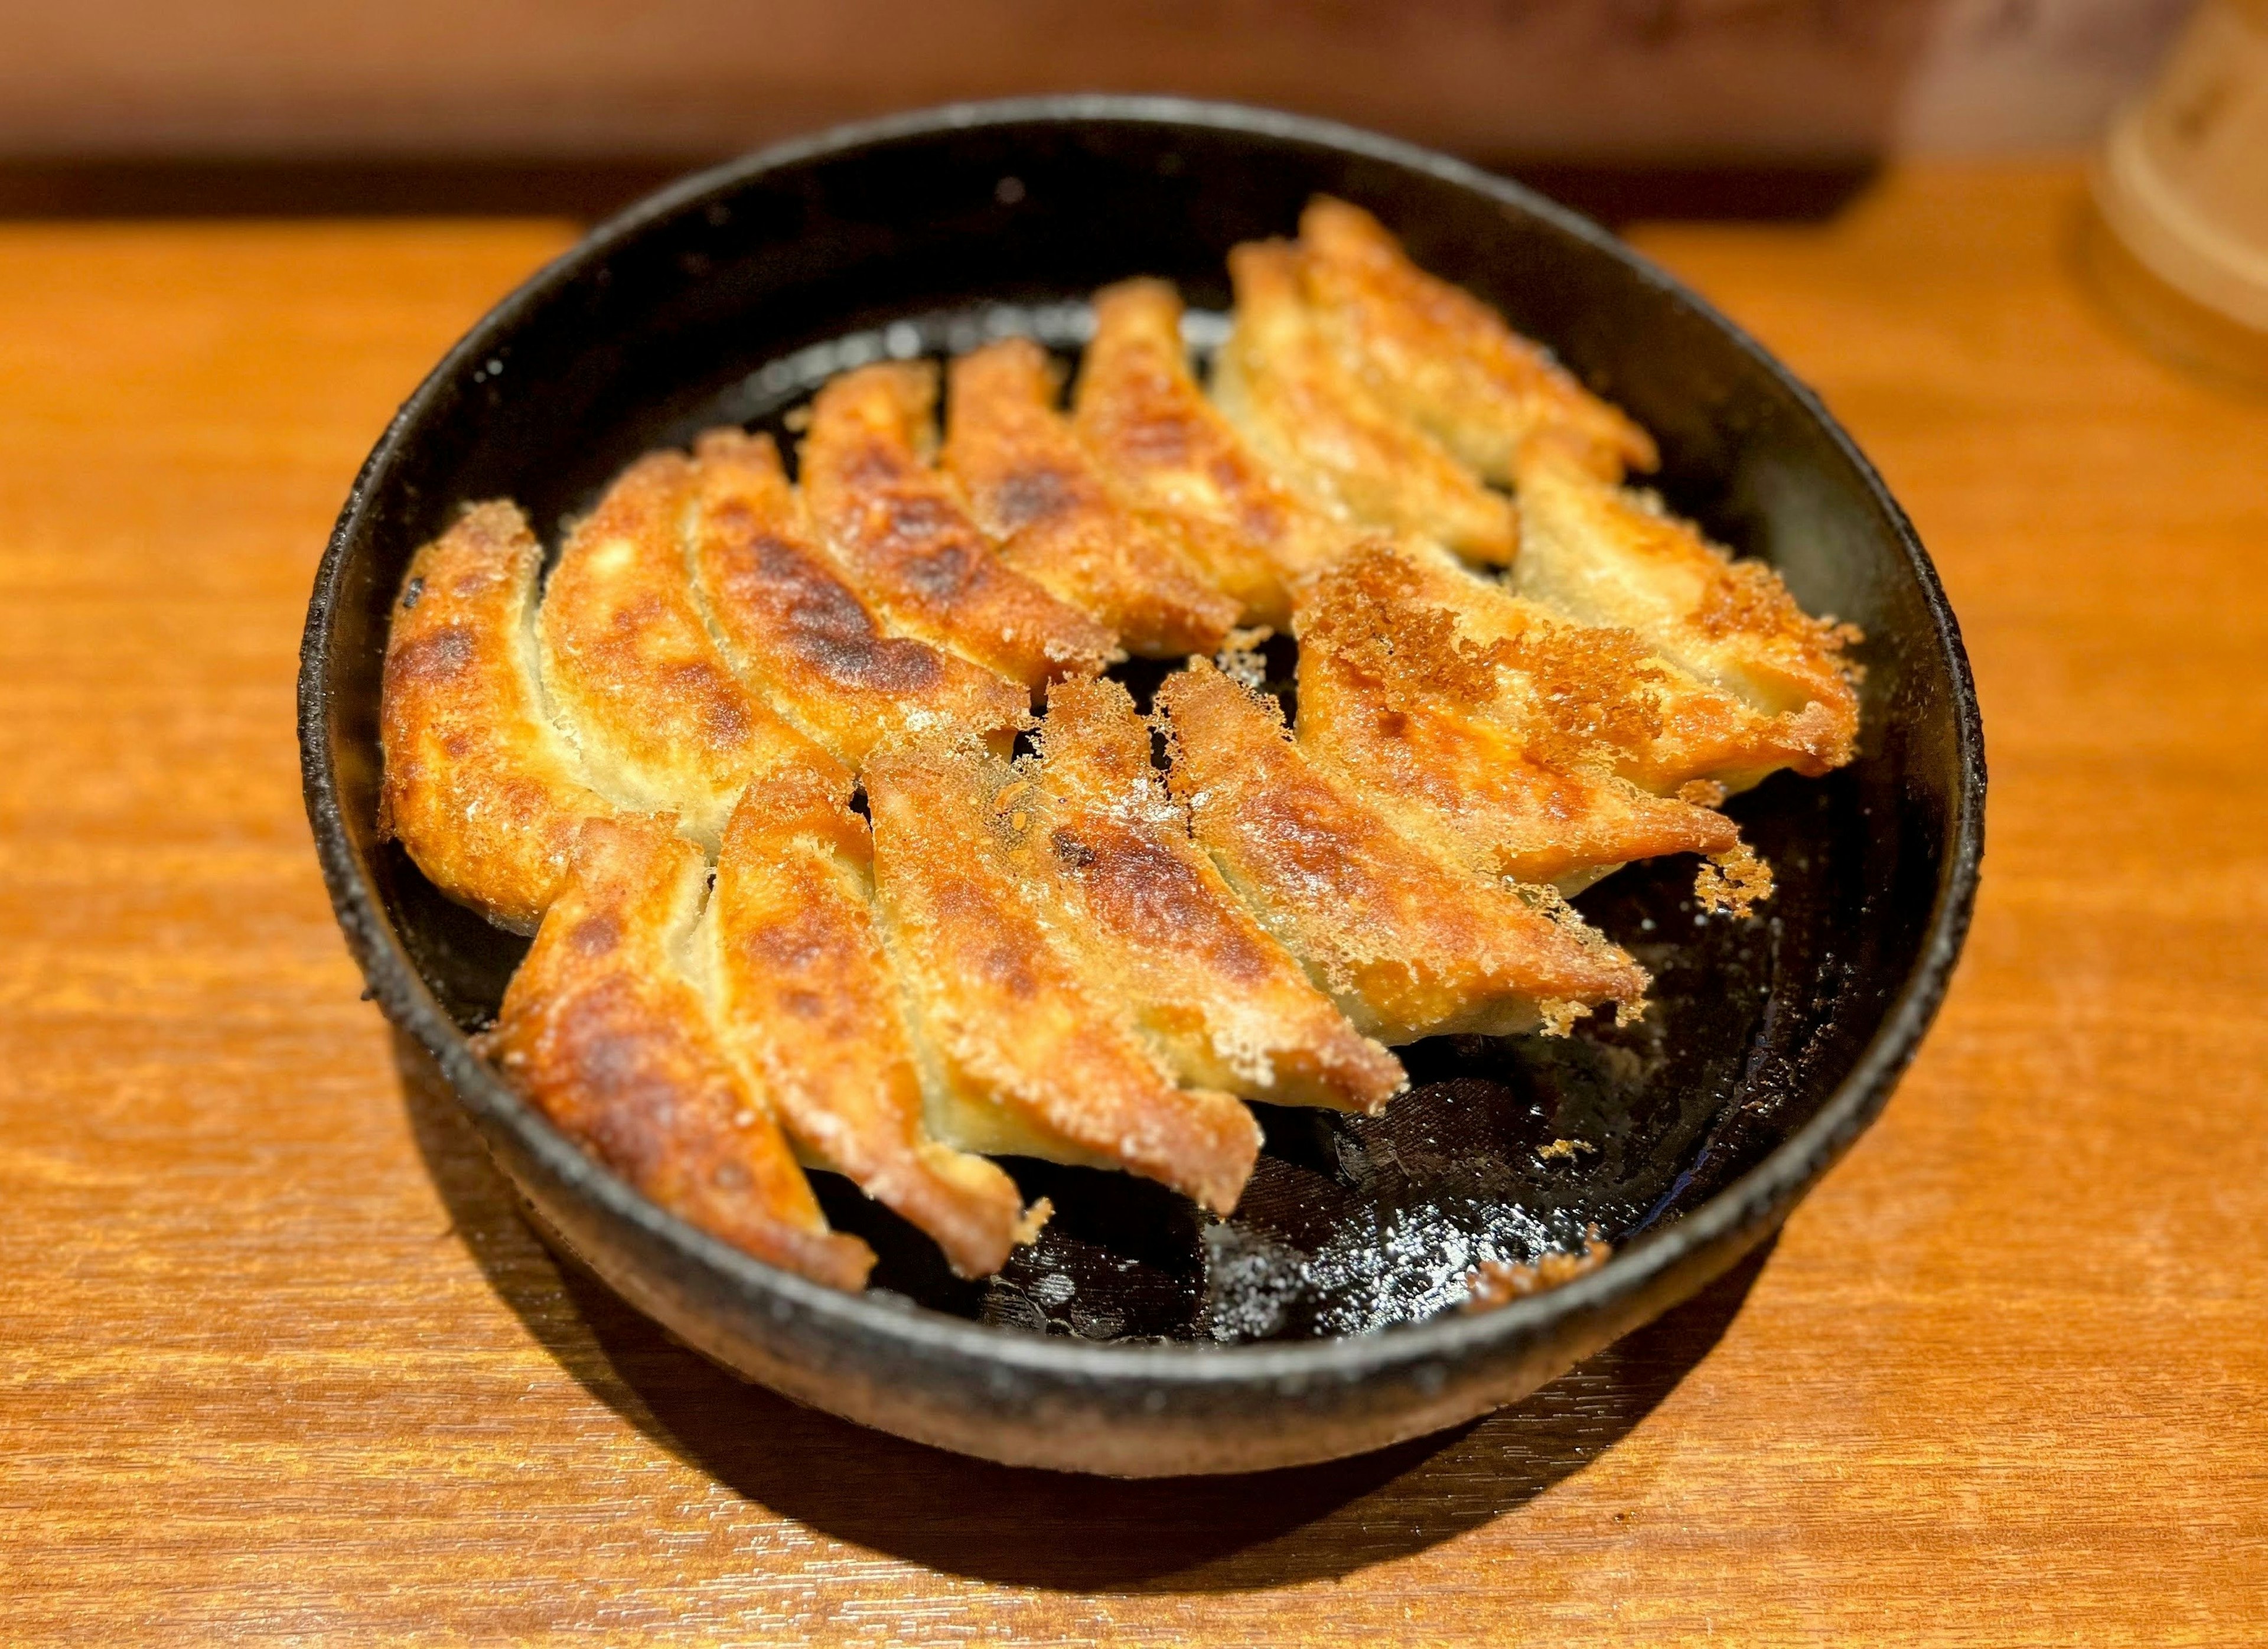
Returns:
(806, 1001)
(1407, 941)
(662, 721)
(1446, 361)
(603, 1033)
(1497, 1283)
(1227, 1006)
(1139, 411)
(1491, 750)
(1291, 394)
(1038, 1055)
(1606, 556)
(480, 787)
(1030, 484)
(800, 636)
(895, 527)
(1666, 730)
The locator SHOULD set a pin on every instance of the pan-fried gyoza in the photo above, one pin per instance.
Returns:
(1446, 360)
(808, 1000)
(1227, 1005)
(1031, 486)
(800, 636)
(1666, 728)
(902, 539)
(745, 762)
(662, 721)
(1038, 1055)
(1605, 554)
(1408, 941)
(1140, 411)
(1501, 750)
(485, 792)
(607, 1035)
(1303, 407)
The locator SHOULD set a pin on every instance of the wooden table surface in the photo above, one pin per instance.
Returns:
(277, 1359)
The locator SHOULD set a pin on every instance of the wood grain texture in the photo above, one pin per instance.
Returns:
(280, 1361)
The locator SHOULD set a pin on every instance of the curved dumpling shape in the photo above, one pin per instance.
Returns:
(895, 529)
(1224, 1003)
(1493, 749)
(1030, 485)
(1410, 942)
(1664, 727)
(604, 1035)
(1446, 361)
(1037, 1055)
(479, 788)
(1607, 555)
(1293, 397)
(807, 1000)
(1139, 411)
(663, 722)
(800, 636)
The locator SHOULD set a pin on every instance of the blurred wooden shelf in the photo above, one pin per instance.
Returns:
(282, 1361)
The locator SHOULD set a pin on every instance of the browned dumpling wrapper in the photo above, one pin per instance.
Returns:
(900, 536)
(1446, 361)
(799, 634)
(1139, 411)
(1292, 395)
(1665, 728)
(1607, 555)
(480, 787)
(1410, 942)
(1224, 1003)
(663, 720)
(601, 1032)
(807, 1000)
(1033, 488)
(1495, 749)
(1034, 1052)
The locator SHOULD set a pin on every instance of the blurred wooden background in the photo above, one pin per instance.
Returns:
(1684, 82)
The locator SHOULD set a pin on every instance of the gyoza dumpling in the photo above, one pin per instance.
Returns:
(1493, 749)
(806, 997)
(800, 636)
(1446, 361)
(895, 529)
(1604, 554)
(1035, 1054)
(662, 721)
(1030, 484)
(1410, 942)
(1225, 1004)
(602, 1033)
(479, 788)
(1666, 728)
(1139, 411)
(1292, 395)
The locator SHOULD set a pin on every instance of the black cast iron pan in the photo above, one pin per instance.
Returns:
(1139, 1337)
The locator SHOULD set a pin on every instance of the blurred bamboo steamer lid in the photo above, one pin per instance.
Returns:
(2180, 245)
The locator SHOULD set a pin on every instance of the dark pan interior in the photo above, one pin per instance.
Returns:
(733, 304)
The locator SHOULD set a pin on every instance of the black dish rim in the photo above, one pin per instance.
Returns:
(1727, 1222)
